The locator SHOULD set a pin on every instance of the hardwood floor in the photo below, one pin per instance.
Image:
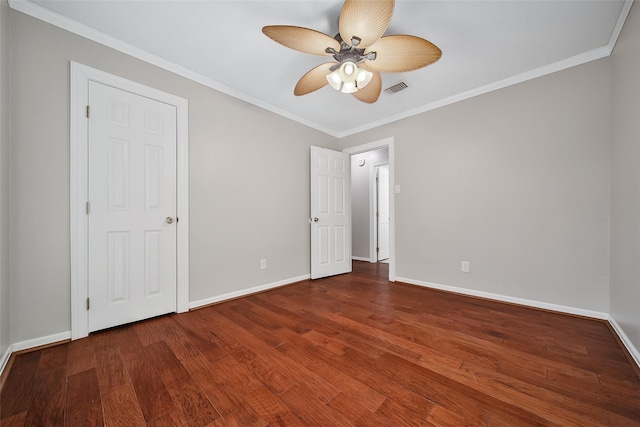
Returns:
(348, 350)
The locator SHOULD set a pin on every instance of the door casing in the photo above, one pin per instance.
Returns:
(80, 77)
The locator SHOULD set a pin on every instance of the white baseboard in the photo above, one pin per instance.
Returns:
(513, 300)
(360, 258)
(37, 342)
(5, 358)
(50, 339)
(26, 345)
(625, 340)
(245, 292)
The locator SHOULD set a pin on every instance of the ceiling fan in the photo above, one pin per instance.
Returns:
(359, 49)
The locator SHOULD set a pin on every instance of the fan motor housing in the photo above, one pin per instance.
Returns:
(349, 52)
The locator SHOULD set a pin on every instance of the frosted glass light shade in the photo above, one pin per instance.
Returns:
(349, 87)
(349, 78)
(334, 80)
(348, 71)
(364, 77)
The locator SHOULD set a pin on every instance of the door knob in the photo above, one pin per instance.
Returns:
(169, 220)
(316, 219)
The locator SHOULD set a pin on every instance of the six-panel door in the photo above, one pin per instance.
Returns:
(330, 212)
(132, 195)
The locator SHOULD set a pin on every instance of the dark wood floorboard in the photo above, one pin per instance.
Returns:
(350, 350)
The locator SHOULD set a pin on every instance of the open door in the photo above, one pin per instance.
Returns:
(330, 212)
(383, 212)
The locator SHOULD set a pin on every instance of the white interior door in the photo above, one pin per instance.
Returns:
(330, 212)
(132, 210)
(383, 212)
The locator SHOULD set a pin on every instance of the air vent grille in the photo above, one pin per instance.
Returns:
(396, 88)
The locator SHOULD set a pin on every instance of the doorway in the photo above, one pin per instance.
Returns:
(81, 79)
(366, 160)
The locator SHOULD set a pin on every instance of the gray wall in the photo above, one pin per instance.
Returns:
(517, 183)
(625, 180)
(5, 339)
(249, 188)
(361, 200)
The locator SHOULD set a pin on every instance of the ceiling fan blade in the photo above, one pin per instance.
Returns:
(397, 54)
(302, 39)
(365, 19)
(314, 79)
(371, 92)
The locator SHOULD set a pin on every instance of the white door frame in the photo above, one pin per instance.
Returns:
(78, 162)
(389, 144)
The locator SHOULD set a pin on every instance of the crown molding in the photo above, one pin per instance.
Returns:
(580, 59)
(38, 12)
(500, 84)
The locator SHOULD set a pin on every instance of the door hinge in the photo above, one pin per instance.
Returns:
(88, 112)
(88, 208)
(377, 249)
(88, 304)
(177, 219)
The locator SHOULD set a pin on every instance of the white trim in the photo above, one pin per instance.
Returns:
(80, 77)
(5, 358)
(25, 345)
(500, 84)
(245, 292)
(38, 12)
(361, 258)
(31, 9)
(37, 342)
(182, 209)
(373, 220)
(29, 344)
(388, 143)
(626, 7)
(505, 298)
(574, 61)
(625, 340)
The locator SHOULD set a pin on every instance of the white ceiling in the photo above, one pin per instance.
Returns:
(486, 45)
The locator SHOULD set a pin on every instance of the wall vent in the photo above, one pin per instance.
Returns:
(396, 88)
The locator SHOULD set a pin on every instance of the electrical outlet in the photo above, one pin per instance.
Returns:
(465, 266)
(263, 264)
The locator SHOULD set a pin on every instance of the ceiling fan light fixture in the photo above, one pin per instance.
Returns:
(349, 78)
(360, 50)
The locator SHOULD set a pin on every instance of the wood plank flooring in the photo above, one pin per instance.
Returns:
(348, 350)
